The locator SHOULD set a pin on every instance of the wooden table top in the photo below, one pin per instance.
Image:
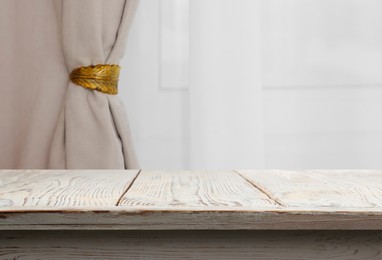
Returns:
(165, 200)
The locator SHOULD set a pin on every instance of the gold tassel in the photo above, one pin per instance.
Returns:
(101, 77)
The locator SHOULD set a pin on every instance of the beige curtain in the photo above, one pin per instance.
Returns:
(62, 125)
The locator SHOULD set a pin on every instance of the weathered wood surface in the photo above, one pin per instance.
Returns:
(334, 189)
(54, 188)
(201, 244)
(202, 189)
(161, 200)
(150, 219)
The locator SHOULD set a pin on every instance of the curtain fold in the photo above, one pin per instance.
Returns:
(93, 130)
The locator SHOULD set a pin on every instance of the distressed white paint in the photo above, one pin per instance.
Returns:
(221, 200)
(62, 188)
(198, 189)
(326, 189)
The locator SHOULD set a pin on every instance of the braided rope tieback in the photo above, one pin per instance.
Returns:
(101, 77)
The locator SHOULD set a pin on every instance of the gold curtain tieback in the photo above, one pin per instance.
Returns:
(101, 77)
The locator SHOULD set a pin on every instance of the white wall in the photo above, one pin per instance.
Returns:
(158, 116)
(226, 124)
(322, 64)
(321, 79)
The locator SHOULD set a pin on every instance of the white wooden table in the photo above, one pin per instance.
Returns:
(228, 214)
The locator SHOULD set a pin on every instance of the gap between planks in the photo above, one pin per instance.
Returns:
(127, 188)
(261, 189)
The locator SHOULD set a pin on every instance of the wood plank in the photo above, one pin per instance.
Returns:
(159, 218)
(161, 200)
(336, 189)
(191, 244)
(202, 189)
(70, 188)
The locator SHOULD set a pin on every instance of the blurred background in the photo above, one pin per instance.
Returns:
(220, 84)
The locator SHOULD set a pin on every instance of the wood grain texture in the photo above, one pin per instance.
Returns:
(335, 189)
(70, 188)
(193, 189)
(202, 244)
(187, 200)
(148, 218)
